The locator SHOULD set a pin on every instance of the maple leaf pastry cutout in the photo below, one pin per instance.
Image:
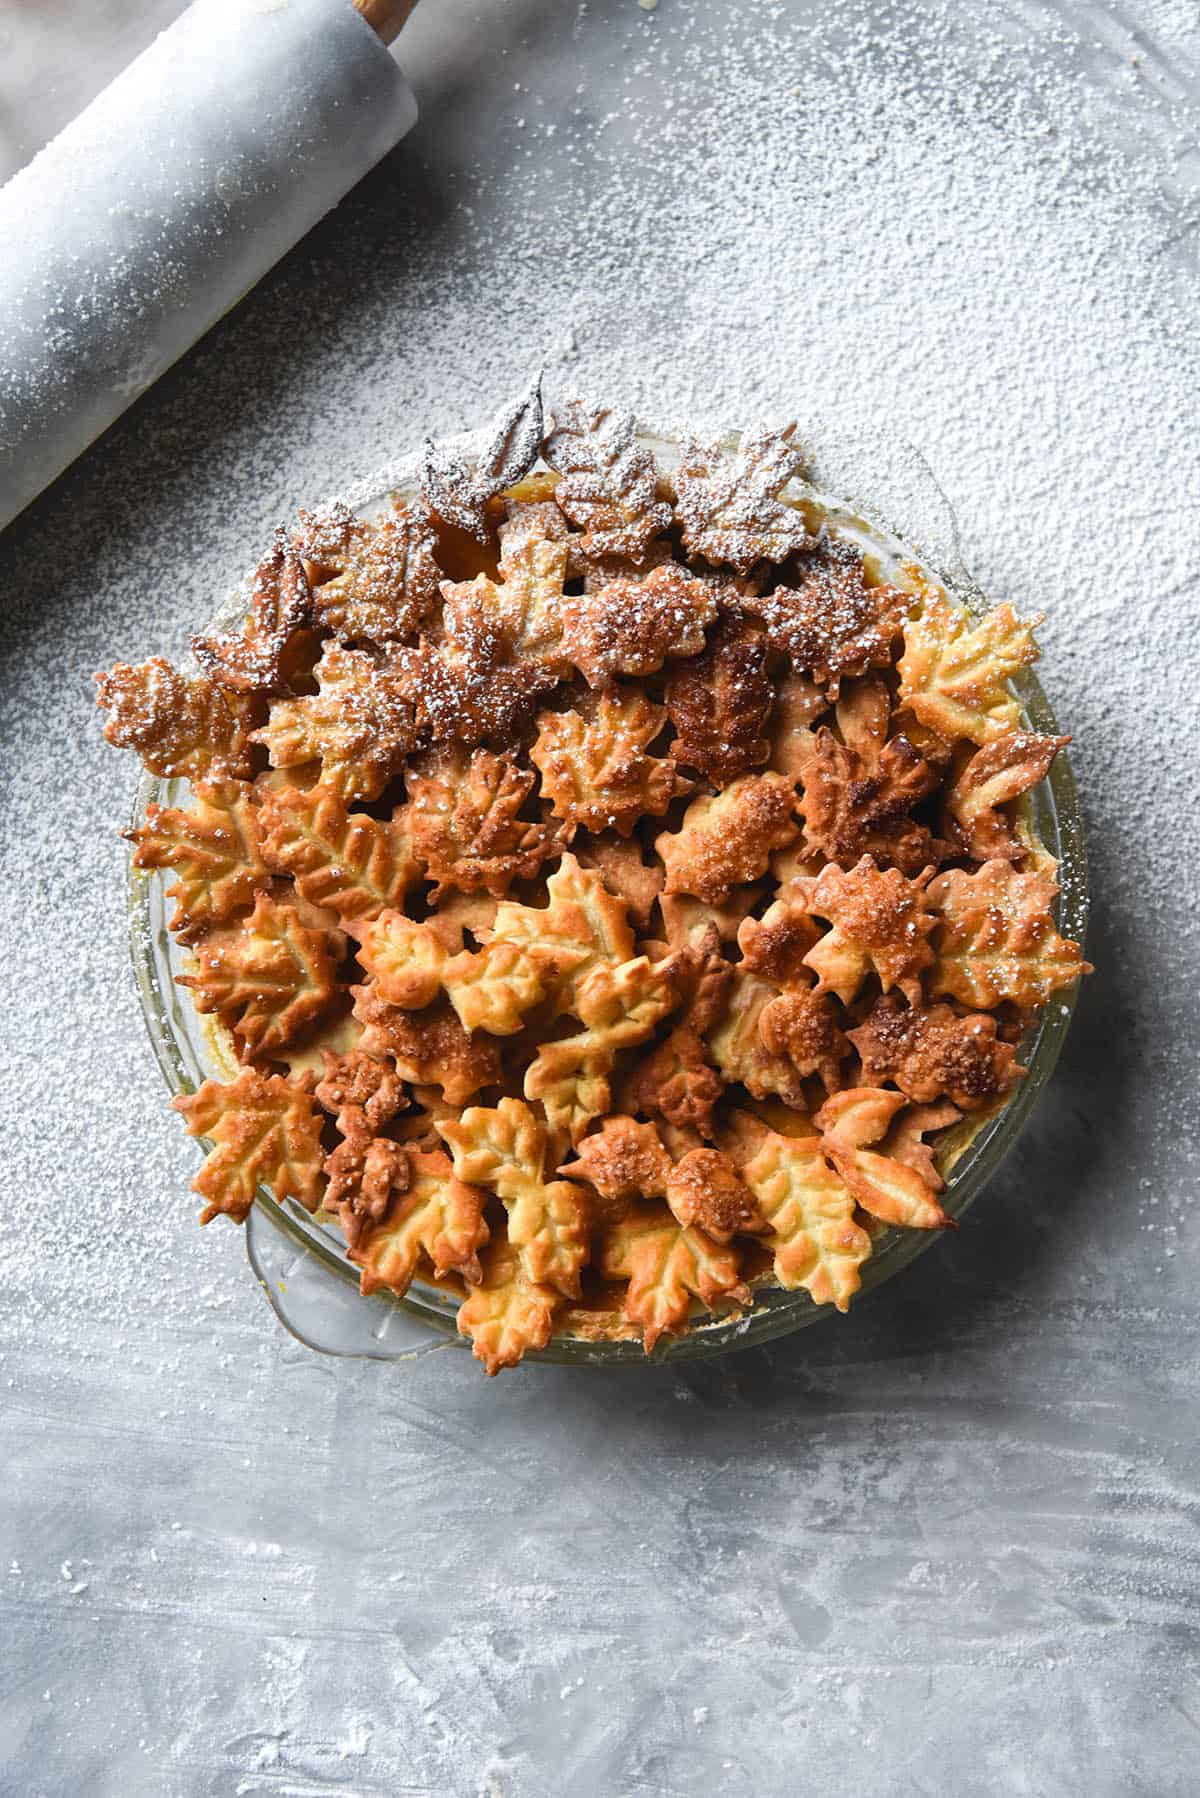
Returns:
(667, 1264)
(728, 838)
(429, 1048)
(365, 1173)
(431, 1221)
(996, 939)
(608, 481)
(994, 776)
(720, 702)
(178, 725)
(886, 1186)
(267, 979)
(346, 862)
(858, 792)
(955, 669)
(594, 767)
(464, 815)
(214, 849)
(809, 1211)
(831, 620)
(880, 923)
(359, 727)
(932, 1052)
(264, 1131)
(621, 1161)
(252, 660)
(372, 583)
(507, 1315)
(727, 504)
(360, 1093)
(505, 1149)
(633, 623)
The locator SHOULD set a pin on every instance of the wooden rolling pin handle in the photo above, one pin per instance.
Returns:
(385, 17)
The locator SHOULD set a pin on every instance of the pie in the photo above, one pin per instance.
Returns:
(615, 877)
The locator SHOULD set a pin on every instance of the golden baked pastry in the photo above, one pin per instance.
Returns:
(612, 877)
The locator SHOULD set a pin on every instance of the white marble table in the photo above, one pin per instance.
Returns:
(947, 1545)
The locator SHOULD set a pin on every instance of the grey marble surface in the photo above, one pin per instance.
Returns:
(947, 1545)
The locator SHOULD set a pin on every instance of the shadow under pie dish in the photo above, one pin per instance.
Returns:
(618, 896)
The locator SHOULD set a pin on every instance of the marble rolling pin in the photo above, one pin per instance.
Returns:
(164, 202)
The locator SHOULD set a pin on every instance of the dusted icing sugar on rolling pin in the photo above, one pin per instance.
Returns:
(162, 205)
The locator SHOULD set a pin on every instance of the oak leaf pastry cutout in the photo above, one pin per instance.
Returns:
(727, 839)
(996, 940)
(180, 726)
(720, 702)
(385, 579)
(346, 862)
(634, 624)
(955, 670)
(214, 849)
(668, 1264)
(608, 481)
(267, 979)
(252, 660)
(504, 1149)
(464, 816)
(727, 505)
(359, 726)
(429, 1047)
(506, 1314)
(594, 767)
(809, 1211)
(265, 1133)
(880, 923)
(993, 777)
(458, 489)
(889, 1188)
(432, 1220)
(932, 1052)
(831, 621)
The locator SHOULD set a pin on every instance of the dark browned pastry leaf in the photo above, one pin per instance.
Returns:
(932, 1052)
(829, 622)
(720, 701)
(251, 661)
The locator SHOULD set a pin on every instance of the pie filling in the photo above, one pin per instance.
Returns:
(615, 881)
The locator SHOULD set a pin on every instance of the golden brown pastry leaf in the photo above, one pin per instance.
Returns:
(728, 838)
(268, 978)
(996, 775)
(504, 1149)
(464, 817)
(831, 621)
(880, 923)
(506, 1314)
(213, 847)
(179, 726)
(429, 1048)
(346, 861)
(810, 1214)
(386, 581)
(359, 726)
(632, 624)
(720, 701)
(594, 768)
(265, 1132)
(252, 660)
(931, 1052)
(666, 1265)
(996, 939)
(434, 1218)
(955, 670)
(889, 1188)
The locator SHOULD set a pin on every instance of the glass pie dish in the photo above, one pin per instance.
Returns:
(899, 515)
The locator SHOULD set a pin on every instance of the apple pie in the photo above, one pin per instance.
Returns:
(615, 880)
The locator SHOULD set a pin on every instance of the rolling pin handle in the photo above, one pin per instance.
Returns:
(385, 17)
